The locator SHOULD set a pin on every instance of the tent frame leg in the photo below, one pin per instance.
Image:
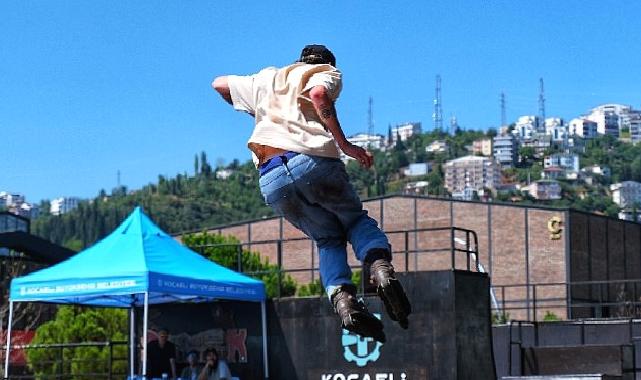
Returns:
(132, 340)
(7, 352)
(144, 334)
(263, 312)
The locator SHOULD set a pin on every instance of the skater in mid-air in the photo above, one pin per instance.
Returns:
(295, 145)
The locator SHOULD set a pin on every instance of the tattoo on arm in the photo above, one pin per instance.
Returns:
(327, 110)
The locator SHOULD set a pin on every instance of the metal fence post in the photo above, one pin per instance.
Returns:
(407, 253)
(279, 255)
(111, 358)
(62, 364)
(452, 247)
(239, 258)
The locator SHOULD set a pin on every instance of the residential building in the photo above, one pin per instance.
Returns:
(556, 128)
(601, 170)
(482, 147)
(10, 199)
(608, 118)
(505, 150)
(28, 210)
(472, 172)
(566, 161)
(63, 205)
(417, 169)
(405, 131)
(437, 146)
(583, 127)
(526, 126)
(634, 125)
(539, 142)
(626, 194)
(466, 194)
(631, 215)
(368, 141)
(3, 203)
(553, 173)
(545, 190)
(417, 188)
(223, 174)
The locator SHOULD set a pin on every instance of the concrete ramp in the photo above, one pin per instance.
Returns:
(449, 336)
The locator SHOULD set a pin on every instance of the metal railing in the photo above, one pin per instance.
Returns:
(587, 299)
(517, 340)
(60, 363)
(459, 241)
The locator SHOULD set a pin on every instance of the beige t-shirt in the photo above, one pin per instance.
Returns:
(285, 117)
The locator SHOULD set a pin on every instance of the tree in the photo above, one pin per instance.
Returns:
(75, 324)
(225, 250)
(526, 154)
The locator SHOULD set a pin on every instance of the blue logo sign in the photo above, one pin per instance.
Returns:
(357, 348)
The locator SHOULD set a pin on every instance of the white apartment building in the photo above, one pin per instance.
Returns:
(482, 147)
(626, 194)
(437, 146)
(11, 200)
(526, 126)
(405, 131)
(609, 118)
(505, 150)
(63, 205)
(368, 141)
(555, 127)
(583, 127)
(545, 190)
(568, 162)
(471, 172)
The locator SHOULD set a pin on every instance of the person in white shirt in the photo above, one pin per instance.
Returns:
(295, 146)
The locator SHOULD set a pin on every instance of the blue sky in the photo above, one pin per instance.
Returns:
(88, 88)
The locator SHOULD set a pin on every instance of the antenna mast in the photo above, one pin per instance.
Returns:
(503, 118)
(438, 109)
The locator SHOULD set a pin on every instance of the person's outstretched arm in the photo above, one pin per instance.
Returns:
(324, 106)
(221, 85)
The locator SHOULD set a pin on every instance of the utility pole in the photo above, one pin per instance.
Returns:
(541, 102)
(503, 118)
(118, 179)
(438, 109)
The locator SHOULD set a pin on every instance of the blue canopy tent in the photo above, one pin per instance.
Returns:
(136, 265)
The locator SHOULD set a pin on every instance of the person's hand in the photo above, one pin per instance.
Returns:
(361, 155)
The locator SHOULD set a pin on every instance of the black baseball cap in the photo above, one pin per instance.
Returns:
(317, 54)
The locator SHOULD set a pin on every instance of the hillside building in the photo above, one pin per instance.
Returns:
(626, 194)
(505, 150)
(471, 172)
(63, 205)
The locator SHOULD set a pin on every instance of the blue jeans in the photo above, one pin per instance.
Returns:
(314, 194)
